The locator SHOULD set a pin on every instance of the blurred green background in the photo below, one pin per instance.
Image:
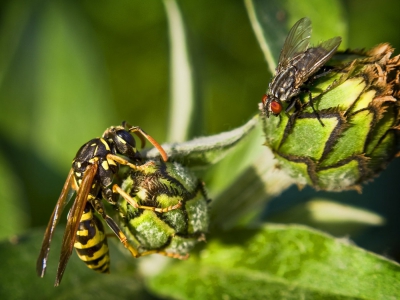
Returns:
(70, 69)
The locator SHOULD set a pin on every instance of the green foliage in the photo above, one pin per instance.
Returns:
(68, 70)
(281, 262)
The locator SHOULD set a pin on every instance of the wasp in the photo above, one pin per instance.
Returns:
(297, 63)
(90, 177)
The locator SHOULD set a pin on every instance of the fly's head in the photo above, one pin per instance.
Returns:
(270, 104)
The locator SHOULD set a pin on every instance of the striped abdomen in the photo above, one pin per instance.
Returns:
(91, 242)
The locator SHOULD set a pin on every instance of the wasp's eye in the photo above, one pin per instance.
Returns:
(264, 99)
(127, 137)
(275, 107)
(125, 144)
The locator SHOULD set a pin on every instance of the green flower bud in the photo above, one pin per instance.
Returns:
(358, 104)
(173, 231)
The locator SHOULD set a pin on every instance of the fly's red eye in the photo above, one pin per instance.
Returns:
(275, 107)
(264, 99)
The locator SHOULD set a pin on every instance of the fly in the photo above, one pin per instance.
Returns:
(297, 63)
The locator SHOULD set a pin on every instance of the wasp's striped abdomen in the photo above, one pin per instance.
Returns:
(91, 242)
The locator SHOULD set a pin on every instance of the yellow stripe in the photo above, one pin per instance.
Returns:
(121, 139)
(82, 232)
(103, 250)
(105, 144)
(103, 268)
(99, 237)
(87, 216)
(111, 162)
(104, 164)
(104, 262)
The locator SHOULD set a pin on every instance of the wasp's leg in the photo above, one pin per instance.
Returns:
(98, 206)
(122, 161)
(161, 252)
(131, 201)
(107, 168)
(108, 195)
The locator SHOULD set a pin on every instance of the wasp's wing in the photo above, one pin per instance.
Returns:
(296, 42)
(316, 57)
(74, 217)
(65, 196)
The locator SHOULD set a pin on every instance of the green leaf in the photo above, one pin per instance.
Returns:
(14, 217)
(14, 19)
(183, 108)
(205, 151)
(329, 216)
(271, 21)
(244, 182)
(280, 262)
(18, 279)
(71, 89)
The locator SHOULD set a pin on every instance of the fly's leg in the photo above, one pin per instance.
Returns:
(310, 101)
(323, 71)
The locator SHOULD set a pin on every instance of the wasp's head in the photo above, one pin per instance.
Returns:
(122, 142)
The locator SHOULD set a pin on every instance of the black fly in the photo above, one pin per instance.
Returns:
(296, 64)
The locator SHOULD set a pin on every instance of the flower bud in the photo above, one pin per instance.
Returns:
(354, 130)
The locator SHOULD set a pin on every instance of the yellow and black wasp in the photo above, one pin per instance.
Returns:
(91, 176)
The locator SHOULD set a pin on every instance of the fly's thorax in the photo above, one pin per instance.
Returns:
(283, 85)
(175, 231)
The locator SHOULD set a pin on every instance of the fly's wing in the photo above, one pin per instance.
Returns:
(315, 58)
(74, 217)
(296, 42)
(64, 198)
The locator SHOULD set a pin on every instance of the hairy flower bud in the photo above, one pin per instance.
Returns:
(355, 129)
